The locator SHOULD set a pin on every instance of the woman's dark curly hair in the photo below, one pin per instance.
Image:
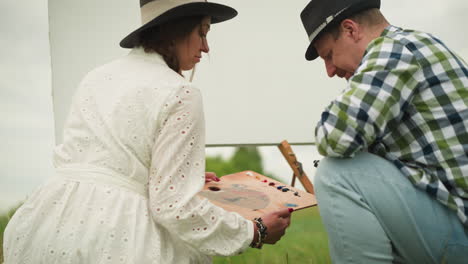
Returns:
(162, 38)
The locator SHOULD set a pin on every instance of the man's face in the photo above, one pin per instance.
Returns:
(341, 56)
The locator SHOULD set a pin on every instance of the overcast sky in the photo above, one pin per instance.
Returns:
(27, 124)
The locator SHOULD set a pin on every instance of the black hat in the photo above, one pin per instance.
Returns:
(157, 12)
(318, 15)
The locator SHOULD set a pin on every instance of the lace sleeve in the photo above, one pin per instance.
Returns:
(178, 174)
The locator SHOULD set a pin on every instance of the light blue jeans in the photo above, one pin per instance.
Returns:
(373, 214)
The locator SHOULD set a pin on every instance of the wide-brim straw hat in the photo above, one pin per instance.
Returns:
(319, 15)
(157, 12)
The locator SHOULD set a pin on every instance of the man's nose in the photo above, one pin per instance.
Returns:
(331, 69)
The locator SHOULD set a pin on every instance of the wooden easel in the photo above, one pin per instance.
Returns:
(296, 166)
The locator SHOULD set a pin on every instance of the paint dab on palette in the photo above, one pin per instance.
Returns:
(290, 205)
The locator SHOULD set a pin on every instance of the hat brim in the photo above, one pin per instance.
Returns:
(217, 12)
(311, 53)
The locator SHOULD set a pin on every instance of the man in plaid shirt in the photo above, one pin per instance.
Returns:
(394, 185)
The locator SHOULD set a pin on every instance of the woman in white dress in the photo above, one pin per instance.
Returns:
(132, 160)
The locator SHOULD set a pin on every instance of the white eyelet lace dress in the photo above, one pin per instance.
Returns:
(127, 172)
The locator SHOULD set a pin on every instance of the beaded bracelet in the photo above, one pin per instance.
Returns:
(262, 232)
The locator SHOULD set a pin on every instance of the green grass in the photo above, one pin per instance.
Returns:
(3, 222)
(305, 242)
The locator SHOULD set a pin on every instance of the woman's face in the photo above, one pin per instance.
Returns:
(189, 51)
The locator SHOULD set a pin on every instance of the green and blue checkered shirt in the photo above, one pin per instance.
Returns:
(407, 102)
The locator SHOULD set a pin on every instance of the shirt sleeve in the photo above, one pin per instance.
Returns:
(177, 174)
(373, 102)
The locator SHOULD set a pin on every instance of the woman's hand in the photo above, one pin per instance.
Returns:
(211, 176)
(276, 223)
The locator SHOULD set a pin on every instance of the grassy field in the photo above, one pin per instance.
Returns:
(3, 222)
(305, 242)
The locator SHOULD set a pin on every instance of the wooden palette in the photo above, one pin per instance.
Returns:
(251, 194)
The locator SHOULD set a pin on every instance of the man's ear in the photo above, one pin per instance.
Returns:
(351, 29)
